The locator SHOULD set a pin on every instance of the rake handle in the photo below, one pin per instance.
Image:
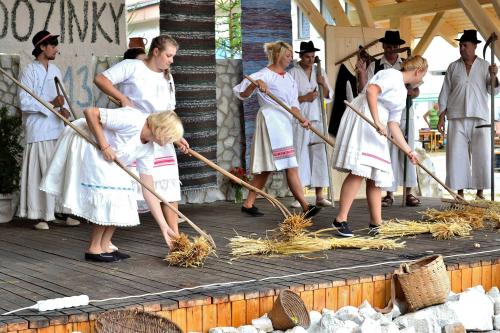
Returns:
(296, 115)
(60, 88)
(452, 193)
(117, 162)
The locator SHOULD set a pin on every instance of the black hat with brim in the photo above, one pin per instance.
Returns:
(392, 38)
(306, 47)
(469, 36)
(40, 37)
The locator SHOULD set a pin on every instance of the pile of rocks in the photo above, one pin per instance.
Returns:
(472, 310)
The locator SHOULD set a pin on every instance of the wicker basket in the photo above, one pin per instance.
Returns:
(424, 282)
(289, 311)
(133, 321)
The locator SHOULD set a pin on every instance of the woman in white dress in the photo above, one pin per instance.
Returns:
(91, 186)
(363, 151)
(272, 147)
(147, 85)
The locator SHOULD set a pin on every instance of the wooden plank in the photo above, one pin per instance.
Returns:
(179, 317)
(209, 317)
(466, 278)
(364, 13)
(83, 327)
(51, 329)
(343, 296)
(253, 310)
(238, 313)
(486, 277)
(379, 293)
(319, 302)
(355, 295)
(224, 314)
(495, 275)
(367, 292)
(387, 290)
(476, 276)
(63, 328)
(265, 304)
(308, 298)
(194, 319)
(456, 281)
(331, 298)
(165, 314)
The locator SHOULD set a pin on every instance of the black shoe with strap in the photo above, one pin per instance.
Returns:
(253, 211)
(373, 229)
(311, 211)
(101, 257)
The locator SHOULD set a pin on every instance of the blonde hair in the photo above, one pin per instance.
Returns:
(275, 50)
(166, 126)
(413, 63)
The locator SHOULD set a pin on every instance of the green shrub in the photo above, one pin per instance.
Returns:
(11, 151)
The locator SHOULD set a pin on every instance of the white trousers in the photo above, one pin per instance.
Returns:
(35, 204)
(468, 154)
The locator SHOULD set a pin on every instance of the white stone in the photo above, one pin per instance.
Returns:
(223, 330)
(370, 326)
(348, 313)
(408, 330)
(390, 328)
(453, 296)
(315, 326)
(6, 61)
(442, 314)
(296, 329)
(227, 91)
(366, 310)
(479, 288)
(421, 325)
(454, 328)
(229, 142)
(496, 307)
(247, 329)
(494, 292)
(474, 309)
(223, 105)
(496, 322)
(263, 323)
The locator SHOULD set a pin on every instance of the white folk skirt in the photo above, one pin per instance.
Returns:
(359, 149)
(88, 185)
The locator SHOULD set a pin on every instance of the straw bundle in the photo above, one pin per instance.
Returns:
(308, 243)
(187, 253)
(440, 230)
(294, 225)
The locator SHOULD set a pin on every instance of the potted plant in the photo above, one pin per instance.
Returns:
(11, 153)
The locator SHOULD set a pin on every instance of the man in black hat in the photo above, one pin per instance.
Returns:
(391, 59)
(310, 149)
(463, 100)
(41, 129)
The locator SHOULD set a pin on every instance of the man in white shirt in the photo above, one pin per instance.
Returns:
(310, 149)
(41, 130)
(390, 42)
(463, 100)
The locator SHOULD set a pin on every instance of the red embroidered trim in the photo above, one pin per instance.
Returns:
(376, 157)
(285, 152)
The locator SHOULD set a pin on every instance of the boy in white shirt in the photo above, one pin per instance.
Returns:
(41, 129)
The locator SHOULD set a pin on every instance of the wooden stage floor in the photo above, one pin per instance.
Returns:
(37, 265)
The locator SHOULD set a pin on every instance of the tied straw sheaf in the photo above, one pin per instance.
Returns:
(203, 234)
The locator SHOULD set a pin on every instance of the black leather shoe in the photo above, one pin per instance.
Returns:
(254, 211)
(311, 211)
(101, 257)
(119, 255)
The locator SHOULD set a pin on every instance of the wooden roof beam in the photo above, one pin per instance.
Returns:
(338, 13)
(481, 20)
(496, 4)
(314, 16)
(429, 34)
(403, 24)
(446, 30)
(413, 7)
(364, 12)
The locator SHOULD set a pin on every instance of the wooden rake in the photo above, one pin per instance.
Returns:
(458, 199)
(117, 162)
(273, 201)
(296, 115)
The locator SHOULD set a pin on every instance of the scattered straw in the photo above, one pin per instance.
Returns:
(473, 216)
(186, 253)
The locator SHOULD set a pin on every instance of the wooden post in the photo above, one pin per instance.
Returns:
(314, 16)
(365, 15)
(338, 13)
(429, 34)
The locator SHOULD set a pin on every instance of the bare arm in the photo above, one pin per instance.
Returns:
(398, 136)
(372, 92)
(156, 211)
(105, 85)
(93, 118)
(249, 90)
(426, 118)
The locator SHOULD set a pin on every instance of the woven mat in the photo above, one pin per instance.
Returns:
(262, 21)
(192, 24)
